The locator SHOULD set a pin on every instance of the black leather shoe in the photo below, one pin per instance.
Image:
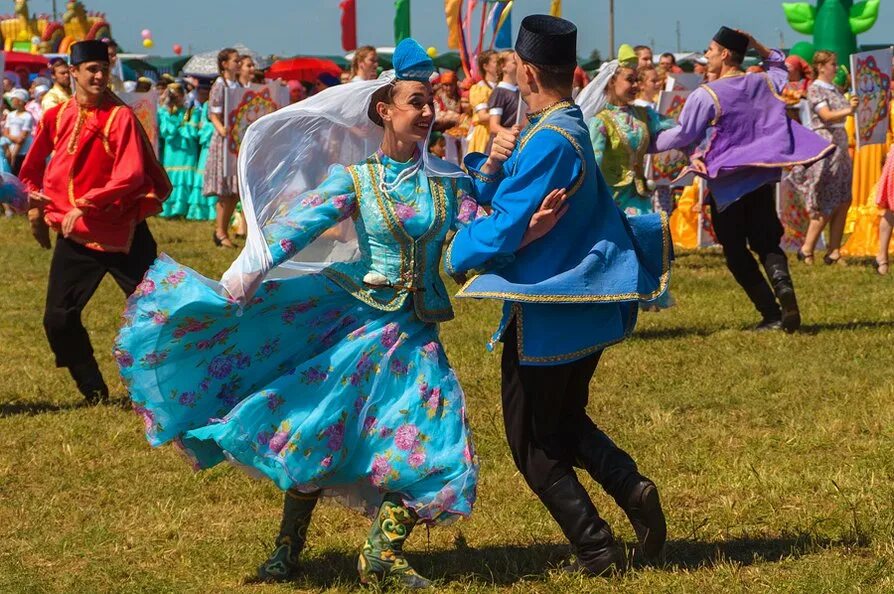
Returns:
(643, 509)
(89, 381)
(597, 551)
(771, 324)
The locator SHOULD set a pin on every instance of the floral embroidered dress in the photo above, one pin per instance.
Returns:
(621, 138)
(322, 382)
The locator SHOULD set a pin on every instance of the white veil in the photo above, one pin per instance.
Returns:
(593, 97)
(289, 152)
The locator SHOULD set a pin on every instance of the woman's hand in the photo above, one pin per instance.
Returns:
(547, 216)
(855, 103)
(241, 287)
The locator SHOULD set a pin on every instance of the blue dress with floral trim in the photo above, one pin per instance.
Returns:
(319, 383)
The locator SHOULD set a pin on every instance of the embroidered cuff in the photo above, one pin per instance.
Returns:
(474, 162)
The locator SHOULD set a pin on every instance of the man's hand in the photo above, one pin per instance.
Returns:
(38, 198)
(699, 165)
(754, 44)
(39, 228)
(501, 149)
(68, 222)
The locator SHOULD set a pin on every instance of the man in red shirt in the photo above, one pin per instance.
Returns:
(93, 178)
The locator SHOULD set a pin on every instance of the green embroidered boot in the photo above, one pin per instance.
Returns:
(382, 556)
(282, 565)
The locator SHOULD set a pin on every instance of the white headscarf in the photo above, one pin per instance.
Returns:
(593, 98)
(289, 152)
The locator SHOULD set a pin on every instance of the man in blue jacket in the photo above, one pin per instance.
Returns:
(566, 297)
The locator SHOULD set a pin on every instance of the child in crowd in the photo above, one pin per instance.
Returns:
(18, 129)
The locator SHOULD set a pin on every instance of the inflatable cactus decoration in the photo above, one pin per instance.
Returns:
(834, 24)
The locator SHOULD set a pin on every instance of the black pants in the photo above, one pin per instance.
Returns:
(750, 222)
(547, 427)
(17, 163)
(75, 273)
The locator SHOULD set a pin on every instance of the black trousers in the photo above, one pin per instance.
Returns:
(547, 427)
(749, 224)
(75, 273)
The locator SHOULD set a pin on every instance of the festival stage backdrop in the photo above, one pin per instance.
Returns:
(871, 81)
(242, 107)
(663, 168)
(145, 107)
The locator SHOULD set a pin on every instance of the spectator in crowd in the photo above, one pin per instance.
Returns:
(581, 80)
(38, 89)
(61, 90)
(115, 82)
(323, 82)
(827, 184)
(18, 128)
(217, 180)
(669, 62)
(437, 145)
(447, 110)
(201, 207)
(649, 86)
(643, 55)
(365, 65)
(479, 95)
(246, 70)
(178, 127)
(885, 201)
(505, 102)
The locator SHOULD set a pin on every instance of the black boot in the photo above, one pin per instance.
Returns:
(569, 504)
(616, 472)
(89, 380)
(762, 297)
(777, 269)
(643, 509)
(282, 565)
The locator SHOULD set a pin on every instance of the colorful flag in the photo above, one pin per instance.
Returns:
(401, 20)
(555, 8)
(348, 25)
(451, 10)
(503, 26)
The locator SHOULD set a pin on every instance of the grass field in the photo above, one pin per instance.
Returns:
(773, 454)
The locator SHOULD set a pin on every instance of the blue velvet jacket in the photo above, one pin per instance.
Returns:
(576, 290)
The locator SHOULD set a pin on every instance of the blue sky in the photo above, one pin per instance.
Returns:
(312, 26)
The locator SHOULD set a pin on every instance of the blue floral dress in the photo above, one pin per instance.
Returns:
(319, 383)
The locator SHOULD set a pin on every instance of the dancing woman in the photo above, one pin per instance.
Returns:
(330, 379)
(622, 134)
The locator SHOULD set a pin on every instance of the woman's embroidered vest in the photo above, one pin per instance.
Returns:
(411, 266)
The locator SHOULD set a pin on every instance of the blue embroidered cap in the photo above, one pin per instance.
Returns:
(411, 62)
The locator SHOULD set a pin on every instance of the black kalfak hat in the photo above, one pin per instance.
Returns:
(89, 51)
(732, 40)
(547, 41)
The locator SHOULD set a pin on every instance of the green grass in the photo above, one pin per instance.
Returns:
(773, 454)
